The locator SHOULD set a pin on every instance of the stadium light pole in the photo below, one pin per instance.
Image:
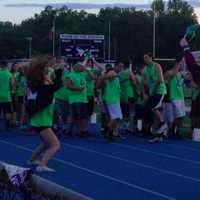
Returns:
(30, 46)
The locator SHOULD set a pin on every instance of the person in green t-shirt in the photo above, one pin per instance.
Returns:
(111, 97)
(13, 71)
(6, 85)
(140, 102)
(176, 96)
(127, 94)
(76, 83)
(154, 92)
(39, 107)
(61, 97)
(20, 93)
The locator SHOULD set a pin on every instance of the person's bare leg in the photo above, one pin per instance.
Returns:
(37, 152)
(51, 140)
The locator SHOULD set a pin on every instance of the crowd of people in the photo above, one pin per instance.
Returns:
(53, 96)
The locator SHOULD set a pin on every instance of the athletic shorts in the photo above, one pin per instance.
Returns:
(20, 99)
(39, 129)
(14, 103)
(79, 111)
(168, 115)
(6, 107)
(114, 111)
(90, 105)
(128, 108)
(139, 111)
(155, 102)
(178, 108)
(61, 108)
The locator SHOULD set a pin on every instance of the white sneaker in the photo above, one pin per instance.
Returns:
(41, 168)
(156, 140)
(162, 128)
(33, 162)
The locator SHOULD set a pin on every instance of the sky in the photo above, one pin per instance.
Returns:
(13, 10)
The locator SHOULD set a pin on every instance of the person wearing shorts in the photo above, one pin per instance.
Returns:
(140, 103)
(61, 102)
(6, 85)
(176, 95)
(154, 83)
(112, 101)
(76, 83)
(20, 94)
(127, 88)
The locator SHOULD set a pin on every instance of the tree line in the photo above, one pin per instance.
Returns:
(131, 30)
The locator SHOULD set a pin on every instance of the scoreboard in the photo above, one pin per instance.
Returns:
(75, 46)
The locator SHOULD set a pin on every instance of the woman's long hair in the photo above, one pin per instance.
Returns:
(35, 72)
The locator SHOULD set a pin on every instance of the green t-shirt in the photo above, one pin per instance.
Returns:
(90, 83)
(150, 74)
(139, 88)
(20, 85)
(78, 80)
(43, 118)
(176, 91)
(112, 91)
(63, 92)
(13, 91)
(127, 89)
(5, 88)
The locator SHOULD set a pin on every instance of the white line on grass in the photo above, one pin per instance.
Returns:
(131, 162)
(97, 173)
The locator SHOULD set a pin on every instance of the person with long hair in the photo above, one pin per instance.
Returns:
(40, 93)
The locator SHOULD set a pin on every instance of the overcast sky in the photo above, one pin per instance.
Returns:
(14, 10)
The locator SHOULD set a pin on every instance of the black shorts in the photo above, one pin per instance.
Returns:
(155, 102)
(90, 105)
(39, 129)
(6, 107)
(139, 111)
(14, 103)
(125, 110)
(128, 107)
(20, 99)
(79, 110)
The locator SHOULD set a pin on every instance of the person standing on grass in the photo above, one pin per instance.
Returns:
(153, 81)
(176, 96)
(40, 93)
(6, 85)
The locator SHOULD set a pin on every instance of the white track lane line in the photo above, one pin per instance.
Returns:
(131, 162)
(96, 173)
